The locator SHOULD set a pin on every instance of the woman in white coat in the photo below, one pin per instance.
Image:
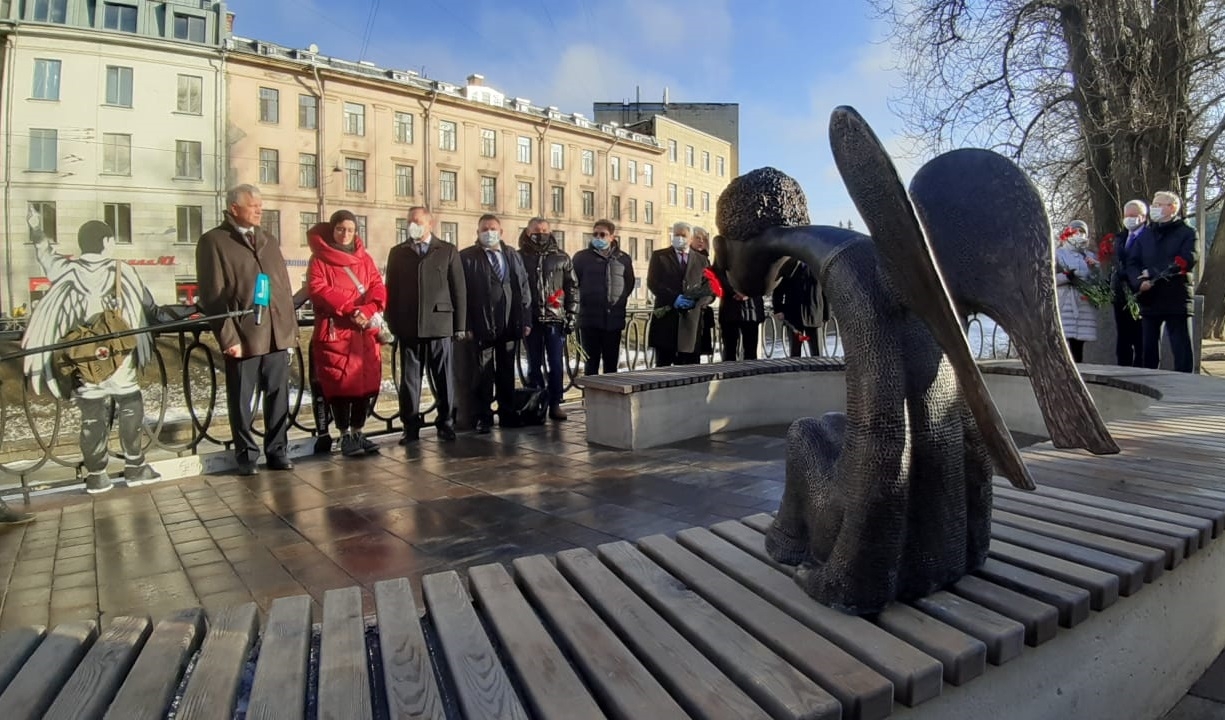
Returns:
(1075, 260)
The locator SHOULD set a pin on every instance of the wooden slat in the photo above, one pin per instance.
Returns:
(1190, 535)
(1072, 602)
(154, 679)
(1133, 484)
(1003, 636)
(484, 690)
(1040, 620)
(1203, 525)
(1170, 497)
(552, 688)
(1103, 587)
(964, 657)
(344, 681)
(408, 675)
(93, 685)
(1174, 547)
(626, 689)
(760, 522)
(700, 687)
(16, 646)
(279, 689)
(38, 682)
(916, 676)
(1130, 573)
(1153, 559)
(777, 686)
(213, 685)
(862, 692)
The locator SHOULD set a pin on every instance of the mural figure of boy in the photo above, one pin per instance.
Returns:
(81, 289)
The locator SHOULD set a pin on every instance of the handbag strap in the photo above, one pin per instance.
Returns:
(118, 291)
(361, 289)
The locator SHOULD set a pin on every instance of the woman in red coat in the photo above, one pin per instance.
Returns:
(348, 297)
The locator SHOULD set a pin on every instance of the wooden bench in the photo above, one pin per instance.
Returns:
(1100, 599)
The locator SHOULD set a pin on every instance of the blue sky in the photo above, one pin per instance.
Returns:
(787, 63)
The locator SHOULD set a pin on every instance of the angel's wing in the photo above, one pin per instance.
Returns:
(132, 289)
(61, 309)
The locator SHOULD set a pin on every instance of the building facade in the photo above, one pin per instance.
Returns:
(318, 134)
(696, 169)
(722, 120)
(112, 111)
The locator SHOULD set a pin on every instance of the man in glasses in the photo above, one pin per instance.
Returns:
(605, 280)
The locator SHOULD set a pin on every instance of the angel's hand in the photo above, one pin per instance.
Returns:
(34, 218)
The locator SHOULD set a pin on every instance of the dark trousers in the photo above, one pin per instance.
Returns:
(739, 340)
(546, 345)
(1129, 342)
(667, 358)
(319, 404)
(96, 428)
(495, 379)
(816, 341)
(600, 346)
(1177, 327)
(243, 379)
(350, 413)
(1078, 349)
(436, 354)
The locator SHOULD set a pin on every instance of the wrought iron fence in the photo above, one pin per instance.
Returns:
(184, 400)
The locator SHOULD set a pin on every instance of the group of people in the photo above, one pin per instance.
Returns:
(1153, 254)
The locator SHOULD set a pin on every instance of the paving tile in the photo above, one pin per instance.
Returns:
(87, 578)
(166, 590)
(83, 596)
(71, 566)
(1212, 685)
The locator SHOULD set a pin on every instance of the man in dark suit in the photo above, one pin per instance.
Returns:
(671, 272)
(1158, 266)
(426, 308)
(798, 302)
(1128, 345)
(499, 314)
(229, 258)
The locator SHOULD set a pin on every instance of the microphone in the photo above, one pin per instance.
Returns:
(262, 292)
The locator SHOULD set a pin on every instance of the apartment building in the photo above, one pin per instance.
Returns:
(318, 134)
(695, 170)
(721, 120)
(112, 111)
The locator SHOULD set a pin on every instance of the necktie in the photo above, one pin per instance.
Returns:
(497, 265)
(422, 248)
(684, 259)
(1131, 237)
(250, 236)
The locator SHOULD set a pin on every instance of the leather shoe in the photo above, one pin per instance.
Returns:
(557, 414)
(483, 427)
(246, 469)
(409, 436)
(446, 433)
(280, 463)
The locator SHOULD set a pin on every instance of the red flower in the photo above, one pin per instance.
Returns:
(716, 287)
(801, 337)
(1182, 264)
(1105, 249)
(1066, 234)
(554, 300)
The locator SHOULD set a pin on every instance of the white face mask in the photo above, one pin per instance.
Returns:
(415, 231)
(1131, 223)
(678, 242)
(490, 238)
(1156, 213)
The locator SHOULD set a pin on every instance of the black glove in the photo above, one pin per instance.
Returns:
(568, 327)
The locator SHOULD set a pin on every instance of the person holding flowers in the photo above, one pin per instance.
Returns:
(1157, 269)
(682, 283)
(1128, 345)
(1075, 266)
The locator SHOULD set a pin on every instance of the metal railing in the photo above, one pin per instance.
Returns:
(184, 400)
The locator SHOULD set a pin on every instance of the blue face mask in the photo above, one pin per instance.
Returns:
(599, 243)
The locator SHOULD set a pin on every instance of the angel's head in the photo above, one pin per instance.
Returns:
(96, 238)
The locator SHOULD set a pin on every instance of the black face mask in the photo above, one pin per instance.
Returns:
(539, 238)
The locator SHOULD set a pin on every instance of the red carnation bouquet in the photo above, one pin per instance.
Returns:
(554, 300)
(708, 287)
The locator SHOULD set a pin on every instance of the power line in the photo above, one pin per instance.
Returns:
(374, 12)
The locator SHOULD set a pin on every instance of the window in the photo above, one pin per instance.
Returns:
(361, 226)
(648, 174)
(354, 119)
(705, 202)
(450, 231)
(588, 203)
(689, 155)
(672, 150)
(719, 165)
(306, 221)
(189, 220)
(525, 196)
(560, 237)
(446, 135)
(633, 210)
(489, 191)
(404, 181)
(308, 112)
(401, 230)
(46, 211)
(46, 80)
(634, 248)
(119, 17)
(689, 198)
(269, 166)
(119, 86)
(187, 160)
(308, 170)
(271, 223)
(269, 105)
(404, 127)
(615, 209)
(447, 185)
(116, 154)
(52, 11)
(631, 168)
(671, 193)
(189, 27)
(588, 162)
(355, 175)
(191, 95)
(648, 246)
(525, 150)
(705, 161)
(44, 150)
(648, 212)
(557, 156)
(614, 168)
(559, 200)
(489, 143)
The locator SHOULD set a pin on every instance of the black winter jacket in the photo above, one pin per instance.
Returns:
(549, 270)
(733, 311)
(1155, 252)
(605, 284)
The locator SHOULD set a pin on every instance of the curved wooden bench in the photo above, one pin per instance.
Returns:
(1100, 599)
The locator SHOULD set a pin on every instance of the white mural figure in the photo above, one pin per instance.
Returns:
(92, 294)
